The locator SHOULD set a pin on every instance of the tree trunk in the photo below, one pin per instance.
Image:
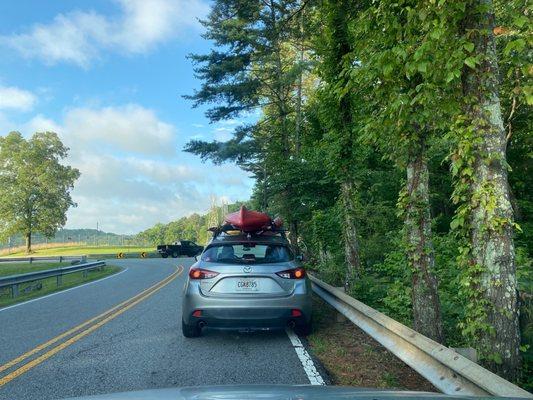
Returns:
(349, 230)
(264, 187)
(491, 215)
(426, 306)
(293, 236)
(299, 88)
(28, 242)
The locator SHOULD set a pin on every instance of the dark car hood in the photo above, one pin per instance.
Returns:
(268, 392)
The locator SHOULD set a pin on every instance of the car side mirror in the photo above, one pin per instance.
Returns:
(300, 257)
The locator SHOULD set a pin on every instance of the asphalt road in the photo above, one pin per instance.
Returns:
(138, 345)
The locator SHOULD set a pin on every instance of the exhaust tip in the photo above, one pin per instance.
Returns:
(201, 324)
(291, 324)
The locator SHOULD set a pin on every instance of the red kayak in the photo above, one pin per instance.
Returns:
(248, 221)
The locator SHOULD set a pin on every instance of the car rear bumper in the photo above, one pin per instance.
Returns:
(246, 313)
(254, 319)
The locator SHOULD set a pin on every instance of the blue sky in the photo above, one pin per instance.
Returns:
(108, 76)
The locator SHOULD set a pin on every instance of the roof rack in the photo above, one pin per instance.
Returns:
(217, 230)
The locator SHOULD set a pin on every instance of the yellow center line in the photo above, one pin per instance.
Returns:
(77, 328)
(120, 307)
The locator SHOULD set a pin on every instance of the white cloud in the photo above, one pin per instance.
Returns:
(125, 184)
(129, 195)
(129, 128)
(40, 123)
(223, 134)
(16, 99)
(79, 37)
(232, 121)
(163, 172)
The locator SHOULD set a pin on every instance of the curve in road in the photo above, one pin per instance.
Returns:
(124, 334)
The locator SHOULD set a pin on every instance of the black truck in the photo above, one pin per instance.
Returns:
(179, 248)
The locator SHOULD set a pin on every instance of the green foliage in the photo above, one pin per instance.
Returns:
(386, 285)
(34, 186)
(525, 284)
(516, 95)
(254, 65)
(481, 212)
(322, 245)
(346, 90)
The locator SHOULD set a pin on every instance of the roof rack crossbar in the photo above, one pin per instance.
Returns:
(217, 230)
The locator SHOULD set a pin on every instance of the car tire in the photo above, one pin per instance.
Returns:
(164, 255)
(304, 329)
(175, 254)
(190, 331)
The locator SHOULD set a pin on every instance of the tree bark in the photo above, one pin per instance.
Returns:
(491, 215)
(349, 230)
(347, 155)
(28, 242)
(425, 297)
(299, 89)
(293, 236)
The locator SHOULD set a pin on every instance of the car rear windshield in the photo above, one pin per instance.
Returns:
(247, 253)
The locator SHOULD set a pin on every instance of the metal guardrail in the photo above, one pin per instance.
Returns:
(83, 258)
(447, 370)
(43, 258)
(137, 254)
(14, 281)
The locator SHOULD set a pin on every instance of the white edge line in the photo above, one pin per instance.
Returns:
(307, 362)
(62, 291)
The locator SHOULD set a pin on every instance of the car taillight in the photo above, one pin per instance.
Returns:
(296, 273)
(296, 313)
(199, 273)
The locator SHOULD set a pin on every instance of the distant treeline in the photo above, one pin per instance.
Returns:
(86, 236)
(193, 227)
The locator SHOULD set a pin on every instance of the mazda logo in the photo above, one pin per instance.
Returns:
(247, 269)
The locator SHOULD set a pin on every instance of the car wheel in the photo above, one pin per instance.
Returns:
(164, 255)
(304, 329)
(175, 254)
(190, 331)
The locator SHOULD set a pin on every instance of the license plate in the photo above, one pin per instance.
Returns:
(247, 285)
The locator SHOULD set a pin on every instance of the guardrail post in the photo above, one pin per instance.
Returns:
(31, 260)
(59, 280)
(84, 273)
(60, 259)
(14, 290)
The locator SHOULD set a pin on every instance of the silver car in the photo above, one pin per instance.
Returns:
(247, 282)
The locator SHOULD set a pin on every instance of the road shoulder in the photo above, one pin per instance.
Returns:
(352, 358)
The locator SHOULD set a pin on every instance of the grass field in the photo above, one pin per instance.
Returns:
(43, 287)
(25, 267)
(81, 250)
(17, 249)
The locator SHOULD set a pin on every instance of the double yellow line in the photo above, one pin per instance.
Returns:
(80, 331)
